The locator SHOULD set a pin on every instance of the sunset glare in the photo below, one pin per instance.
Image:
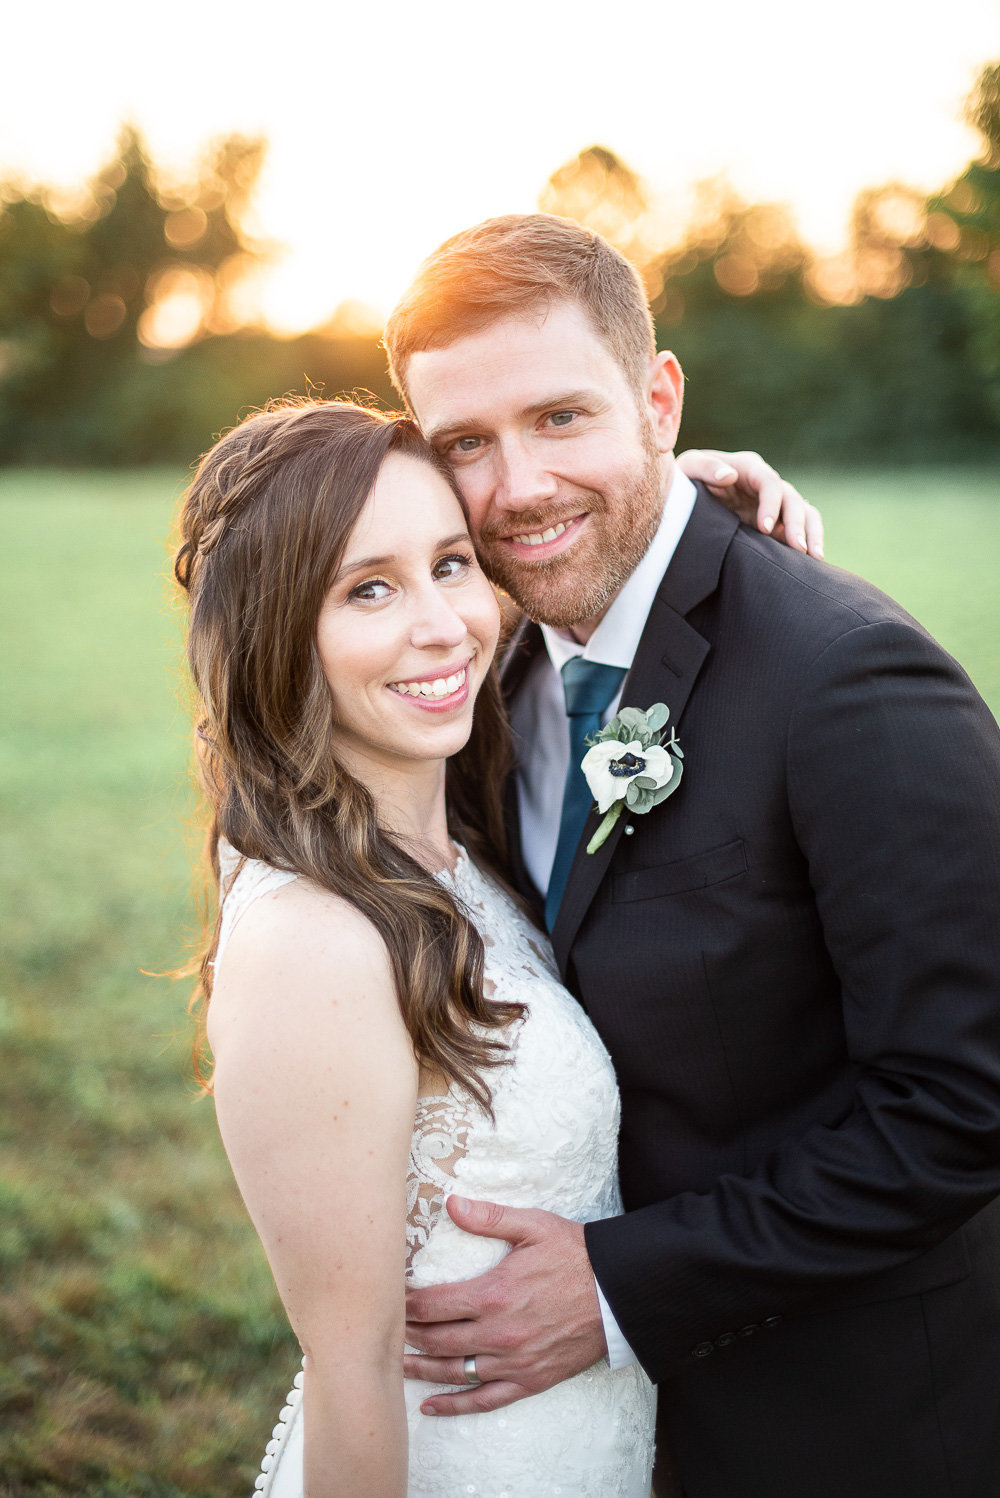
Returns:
(391, 127)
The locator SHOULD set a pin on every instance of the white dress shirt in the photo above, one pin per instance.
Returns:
(541, 729)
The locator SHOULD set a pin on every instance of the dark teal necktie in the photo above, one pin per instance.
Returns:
(588, 687)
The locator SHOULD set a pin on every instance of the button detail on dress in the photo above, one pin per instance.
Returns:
(703, 1349)
(726, 1339)
(629, 830)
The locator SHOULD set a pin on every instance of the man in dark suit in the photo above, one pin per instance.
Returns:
(794, 960)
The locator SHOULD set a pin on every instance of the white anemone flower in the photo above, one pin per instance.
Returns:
(611, 766)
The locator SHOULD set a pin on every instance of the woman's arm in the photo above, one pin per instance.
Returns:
(315, 1090)
(752, 489)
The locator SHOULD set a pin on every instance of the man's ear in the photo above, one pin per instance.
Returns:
(664, 399)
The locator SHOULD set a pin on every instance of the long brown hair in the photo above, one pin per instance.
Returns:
(264, 525)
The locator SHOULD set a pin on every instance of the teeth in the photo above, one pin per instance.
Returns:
(442, 686)
(539, 538)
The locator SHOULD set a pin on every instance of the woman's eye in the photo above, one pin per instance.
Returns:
(562, 418)
(373, 591)
(451, 566)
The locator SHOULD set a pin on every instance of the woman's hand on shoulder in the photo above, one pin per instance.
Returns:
(315, 1091)
(758, 495)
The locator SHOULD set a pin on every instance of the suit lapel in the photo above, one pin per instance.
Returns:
(666, 666)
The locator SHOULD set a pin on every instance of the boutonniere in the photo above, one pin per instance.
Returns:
(630, 765)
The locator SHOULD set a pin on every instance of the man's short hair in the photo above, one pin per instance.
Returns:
(514, 265)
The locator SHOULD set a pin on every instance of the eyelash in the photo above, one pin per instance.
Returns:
(372, 582)
(466, 558)
(456, 451)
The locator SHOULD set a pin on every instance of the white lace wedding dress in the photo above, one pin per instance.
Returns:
(553, 1145)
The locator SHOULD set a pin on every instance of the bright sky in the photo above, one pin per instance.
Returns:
(393, 125)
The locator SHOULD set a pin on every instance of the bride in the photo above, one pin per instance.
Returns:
(388, 1026)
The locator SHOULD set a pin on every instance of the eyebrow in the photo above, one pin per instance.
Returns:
(368, 563)
(550, 403)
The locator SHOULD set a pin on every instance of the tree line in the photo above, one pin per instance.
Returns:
(122, 340)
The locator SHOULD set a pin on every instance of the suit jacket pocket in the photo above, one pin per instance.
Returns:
(696, 872)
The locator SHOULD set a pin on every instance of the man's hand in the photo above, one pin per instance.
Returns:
(758, 495)
(530, 1322)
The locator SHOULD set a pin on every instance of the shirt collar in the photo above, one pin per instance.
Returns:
(616, 639)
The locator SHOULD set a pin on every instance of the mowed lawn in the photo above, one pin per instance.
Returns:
(142, 1350)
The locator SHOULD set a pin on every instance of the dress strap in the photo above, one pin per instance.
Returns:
(241, 882)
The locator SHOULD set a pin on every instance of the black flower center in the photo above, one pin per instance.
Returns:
(627, 766)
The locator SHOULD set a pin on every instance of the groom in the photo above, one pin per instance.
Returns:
(794, 960)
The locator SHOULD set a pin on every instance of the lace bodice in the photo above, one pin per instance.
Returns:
(554, 1140)
(552, 1144)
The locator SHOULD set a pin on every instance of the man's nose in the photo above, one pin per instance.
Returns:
(523, 481)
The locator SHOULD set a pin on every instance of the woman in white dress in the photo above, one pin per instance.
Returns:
(389, 1024)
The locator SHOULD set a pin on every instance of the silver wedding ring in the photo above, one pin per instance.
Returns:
(471, 1376)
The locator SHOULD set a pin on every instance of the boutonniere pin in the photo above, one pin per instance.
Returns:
(629, 765)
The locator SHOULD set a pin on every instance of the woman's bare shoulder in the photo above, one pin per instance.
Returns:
(302, 952)
(299, 917)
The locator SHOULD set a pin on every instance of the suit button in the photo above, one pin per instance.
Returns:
(771, 1322)
(702, 1350)
(726, 1339)
(748, 1331)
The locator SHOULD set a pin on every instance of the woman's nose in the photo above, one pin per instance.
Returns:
(437, 621)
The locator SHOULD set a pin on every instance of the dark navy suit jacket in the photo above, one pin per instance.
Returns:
(794, 962)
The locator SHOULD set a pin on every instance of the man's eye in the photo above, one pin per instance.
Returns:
(466, 444)
(562, 418)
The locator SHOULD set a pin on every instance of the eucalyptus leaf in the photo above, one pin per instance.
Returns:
(657, 715)
(631, 718)
(671, 785)
(646, 781)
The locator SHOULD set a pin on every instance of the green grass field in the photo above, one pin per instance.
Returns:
(142, 1351)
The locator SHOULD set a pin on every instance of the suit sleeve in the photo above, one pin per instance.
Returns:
(893, 776)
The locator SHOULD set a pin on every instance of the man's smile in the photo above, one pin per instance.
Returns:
(538, 545)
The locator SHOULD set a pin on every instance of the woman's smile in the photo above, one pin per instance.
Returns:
(439, 693)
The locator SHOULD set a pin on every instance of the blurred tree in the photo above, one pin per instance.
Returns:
(121, 336)
(963, 231)
(598, 189)
(887, 350)
(924, 338)
(733, 308)
(81, 297)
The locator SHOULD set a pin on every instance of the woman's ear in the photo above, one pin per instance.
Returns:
(664, 399)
